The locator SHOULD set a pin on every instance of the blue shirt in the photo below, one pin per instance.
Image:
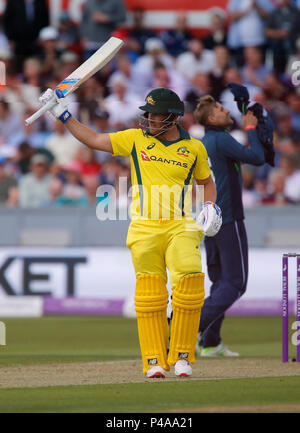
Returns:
(249, 29)
(225, 155)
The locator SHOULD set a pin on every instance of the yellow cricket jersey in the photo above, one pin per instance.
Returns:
(161, 172)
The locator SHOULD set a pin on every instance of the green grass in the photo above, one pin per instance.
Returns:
(82, 339)
(69, 339)
(153, 396)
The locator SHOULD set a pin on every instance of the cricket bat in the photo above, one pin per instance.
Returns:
(92, 65)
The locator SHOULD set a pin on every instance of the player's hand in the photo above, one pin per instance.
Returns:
(210, 218)
(60, 109)
(249, 119)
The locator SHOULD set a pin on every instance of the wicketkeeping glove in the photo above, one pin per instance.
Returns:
(60, 110)
(210, 218)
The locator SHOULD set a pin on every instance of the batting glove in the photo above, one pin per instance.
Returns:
(60, 109)
(210, 218)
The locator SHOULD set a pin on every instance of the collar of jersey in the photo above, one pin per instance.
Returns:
(184, 135)
(216, 128)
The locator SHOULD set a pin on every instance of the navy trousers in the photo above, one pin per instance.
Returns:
(227, 265)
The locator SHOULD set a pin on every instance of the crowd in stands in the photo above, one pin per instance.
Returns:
(254, 43)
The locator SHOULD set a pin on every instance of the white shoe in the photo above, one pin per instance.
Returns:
(217, 352)
(156, 372)
(183, 368)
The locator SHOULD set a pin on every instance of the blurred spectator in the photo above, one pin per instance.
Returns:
(285, 128)
(23, 20)
(31, 86)
(218, 34)
(90, 184)
(274, 90)
(48, 53)
(62, 144)
(30, 133)
(99, 20)
(9, 123)
(249, 193)
(68, 34)
(7, 182)
(254, 72)
(4, 43)
(275, 190)
(196, 59)
(34, 186)
(110, 172)
(217, 74)
(101, 121)
(200, 87)
(289, 164)
(55, 191)
(293, 101)
(126, 71)
(6, 58)
(68, 62)
(23, 156)
(139, 34)
(285, 147)
(282, 29)
(176, 39)
(102, 124)
(72, 192)
(247, 25)
(121, 104)
(144, 66)
(87, 162)
(90, 96)
(169, 79)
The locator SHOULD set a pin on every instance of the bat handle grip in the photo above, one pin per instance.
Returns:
(50, 104)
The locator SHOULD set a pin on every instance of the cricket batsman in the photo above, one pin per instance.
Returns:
(164, 161)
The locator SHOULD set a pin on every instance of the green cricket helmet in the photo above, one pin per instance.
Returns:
(163, 101)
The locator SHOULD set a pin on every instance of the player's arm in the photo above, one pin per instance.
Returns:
(85, 135)
(231, 148)
(210, 191)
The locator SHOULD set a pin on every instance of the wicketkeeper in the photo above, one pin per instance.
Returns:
(162, 233)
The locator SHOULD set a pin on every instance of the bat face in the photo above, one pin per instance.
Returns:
(99, 59)
(82, 73)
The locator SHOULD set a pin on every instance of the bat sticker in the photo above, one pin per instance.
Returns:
(66, 85)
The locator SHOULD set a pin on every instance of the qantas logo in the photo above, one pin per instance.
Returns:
(144, 156)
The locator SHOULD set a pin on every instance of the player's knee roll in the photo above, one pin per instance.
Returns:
(151, 293)
(189, 293)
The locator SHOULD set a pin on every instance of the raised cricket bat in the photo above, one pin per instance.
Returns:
(92, 65)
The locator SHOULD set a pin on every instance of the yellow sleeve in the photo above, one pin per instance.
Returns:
(201, 170)
(122, 142)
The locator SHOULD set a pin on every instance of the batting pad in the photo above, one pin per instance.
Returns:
(151, 298)
(187, 301)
